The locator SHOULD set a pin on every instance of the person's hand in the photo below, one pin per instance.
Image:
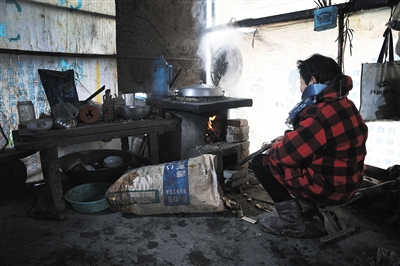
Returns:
(265, 143)
(277, 139)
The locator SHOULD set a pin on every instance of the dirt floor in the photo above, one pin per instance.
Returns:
(113, 238)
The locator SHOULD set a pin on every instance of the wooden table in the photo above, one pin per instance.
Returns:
(47, 144)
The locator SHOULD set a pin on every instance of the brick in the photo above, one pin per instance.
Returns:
(236, 138)
(237, 130)
(237, 122)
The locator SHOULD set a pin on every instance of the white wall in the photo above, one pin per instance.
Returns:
(271, 79)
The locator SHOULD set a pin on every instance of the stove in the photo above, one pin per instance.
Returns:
(191, 138)
(204, 104)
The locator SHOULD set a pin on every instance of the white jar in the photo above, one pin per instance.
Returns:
(136, 144)
(26, 111)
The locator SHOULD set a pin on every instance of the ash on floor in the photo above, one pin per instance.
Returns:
(111, 238)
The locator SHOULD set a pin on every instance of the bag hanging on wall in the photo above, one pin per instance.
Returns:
(59, 86)
(380, 85)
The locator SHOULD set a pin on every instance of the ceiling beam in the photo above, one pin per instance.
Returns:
(304, 14)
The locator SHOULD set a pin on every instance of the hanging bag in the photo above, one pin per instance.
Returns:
(380, 85)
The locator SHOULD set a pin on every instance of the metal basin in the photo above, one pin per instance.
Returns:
(135, 112)
(96, 157)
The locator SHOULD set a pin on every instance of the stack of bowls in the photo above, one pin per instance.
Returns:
(112, 161)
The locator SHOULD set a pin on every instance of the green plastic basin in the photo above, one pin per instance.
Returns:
(89, 197)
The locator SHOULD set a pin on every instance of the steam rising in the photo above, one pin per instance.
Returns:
(215, 45)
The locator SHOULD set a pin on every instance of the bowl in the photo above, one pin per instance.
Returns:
(88, 198)
(112, 161)
(39, 125)
(95, 159)
(135, 112)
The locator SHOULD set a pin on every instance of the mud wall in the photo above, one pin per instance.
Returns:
(168, 27)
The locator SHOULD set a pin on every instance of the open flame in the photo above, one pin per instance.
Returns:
(214, 129)
(210, 123)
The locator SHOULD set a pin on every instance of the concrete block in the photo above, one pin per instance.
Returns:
(237, 122)
(236, 138)
(237, 130)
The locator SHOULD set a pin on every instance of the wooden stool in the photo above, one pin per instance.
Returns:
(334, 226)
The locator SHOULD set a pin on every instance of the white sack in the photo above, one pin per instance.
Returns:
(187, 186)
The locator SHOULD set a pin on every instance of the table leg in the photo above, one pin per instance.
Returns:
(51, 173)
(125, 144)
(154, 148)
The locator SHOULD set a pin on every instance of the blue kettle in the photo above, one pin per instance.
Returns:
(161, 74)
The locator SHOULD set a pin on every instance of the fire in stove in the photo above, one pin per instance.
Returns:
(214, 129)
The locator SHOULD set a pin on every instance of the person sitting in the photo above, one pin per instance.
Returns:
(320, 160)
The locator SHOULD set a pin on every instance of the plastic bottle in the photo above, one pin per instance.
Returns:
(108, 107)
(11, 140)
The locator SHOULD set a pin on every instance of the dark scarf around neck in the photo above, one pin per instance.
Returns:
(308, 97)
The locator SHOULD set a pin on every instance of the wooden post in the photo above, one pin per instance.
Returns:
(154, 148)
(51, 173)
(340, 39)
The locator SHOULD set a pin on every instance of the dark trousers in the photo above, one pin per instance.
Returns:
(276, 191)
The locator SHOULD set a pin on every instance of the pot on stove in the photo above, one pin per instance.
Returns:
(199, 90)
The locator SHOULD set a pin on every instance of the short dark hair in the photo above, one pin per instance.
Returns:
(321, 67)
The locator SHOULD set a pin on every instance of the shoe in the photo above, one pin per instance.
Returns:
(306, 206)
(289, 219)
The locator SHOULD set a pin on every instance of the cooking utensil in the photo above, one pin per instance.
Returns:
(95, 93)
(39, 125)
(64, 123)
(135, 112)
(199, 90)
(80, 103)
(112, 161)
(174, 78)
(161, 74)
(96, 157)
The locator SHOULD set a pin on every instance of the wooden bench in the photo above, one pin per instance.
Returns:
(47, 144)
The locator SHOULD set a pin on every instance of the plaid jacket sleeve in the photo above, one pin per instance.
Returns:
(299, 145)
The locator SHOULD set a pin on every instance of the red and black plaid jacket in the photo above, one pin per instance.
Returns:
(322, 159)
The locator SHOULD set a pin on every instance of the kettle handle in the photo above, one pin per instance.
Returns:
(170, 70)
